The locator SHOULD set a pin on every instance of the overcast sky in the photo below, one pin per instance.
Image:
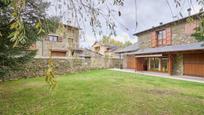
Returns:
(149, 13)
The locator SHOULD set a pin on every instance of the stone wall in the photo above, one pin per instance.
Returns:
(178, 65)
(145, 40)
(181, 34)
(69, 41)
(37, 67)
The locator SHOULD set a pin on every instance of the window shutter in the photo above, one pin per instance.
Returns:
(168, 36)
(60, 39)
(165, 41)
(154, 39)
(165, 38)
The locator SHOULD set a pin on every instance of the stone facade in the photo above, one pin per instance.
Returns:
(181, 34)
(37, 67)
(69, 40)
(145, 40)
(105, 50)
(178, 65)
(99, 48)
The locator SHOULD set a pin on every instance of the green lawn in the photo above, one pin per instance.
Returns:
(102, 92)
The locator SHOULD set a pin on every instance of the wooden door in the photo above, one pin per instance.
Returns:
(194, 64)
(58, 53)
(131, 62)
(140, 64)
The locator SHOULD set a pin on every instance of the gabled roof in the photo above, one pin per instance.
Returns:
(174, 48)
(112, 48)
(130, 48)
(89, 53)
(195, 16)
(71, 26)
(94, 43)
(105, 45)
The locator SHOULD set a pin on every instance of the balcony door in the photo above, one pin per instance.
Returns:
(158, 64)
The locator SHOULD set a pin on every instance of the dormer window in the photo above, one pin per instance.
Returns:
(161, 36)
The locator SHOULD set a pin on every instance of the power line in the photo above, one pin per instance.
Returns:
(190, 3)
(136, 21)
(181, 9)
(170, 8)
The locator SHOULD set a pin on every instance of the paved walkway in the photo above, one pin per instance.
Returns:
(164, 75)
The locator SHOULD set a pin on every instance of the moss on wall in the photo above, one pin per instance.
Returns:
(37, 67)
(178, 64)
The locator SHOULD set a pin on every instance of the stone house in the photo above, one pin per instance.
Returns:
(88, 54)
(61, 44)
(105, 50)
(168, 48)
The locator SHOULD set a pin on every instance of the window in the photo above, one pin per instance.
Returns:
(71, 42)
(97, 49)
(54, 38)
(71, 32)
(161, 36)
(158, 64)
(164, 64)
(154, 64)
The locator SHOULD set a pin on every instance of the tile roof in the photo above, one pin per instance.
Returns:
(174, 48)
(130, 48)
(172, 22)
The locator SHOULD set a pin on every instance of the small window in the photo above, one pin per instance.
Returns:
(54, 38)
(161, 36)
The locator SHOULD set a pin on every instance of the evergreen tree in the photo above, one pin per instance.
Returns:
(18, 31)
(199, 33)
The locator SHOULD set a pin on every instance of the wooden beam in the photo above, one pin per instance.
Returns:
(170, 64)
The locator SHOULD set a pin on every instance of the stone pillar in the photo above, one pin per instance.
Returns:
(178, 64)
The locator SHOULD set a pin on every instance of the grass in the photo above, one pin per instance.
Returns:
(102, 92)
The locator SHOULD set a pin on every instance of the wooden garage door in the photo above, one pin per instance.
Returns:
(131, 62)
(58, 53)
(194, 64)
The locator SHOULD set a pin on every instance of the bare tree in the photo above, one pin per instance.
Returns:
(199, 33)
(98, 13)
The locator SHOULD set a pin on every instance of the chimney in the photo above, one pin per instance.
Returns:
(201, 10)
(189, 11)
(161, 23)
